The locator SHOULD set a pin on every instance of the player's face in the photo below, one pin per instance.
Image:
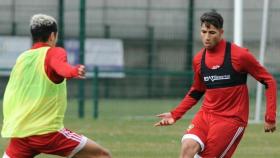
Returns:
(210, 35)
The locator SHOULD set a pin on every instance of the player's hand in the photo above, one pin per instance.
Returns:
(166, 119)
(269, 127)
(81, 72)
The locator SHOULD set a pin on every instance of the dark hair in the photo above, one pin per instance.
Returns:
(41, 27)
(212, 18)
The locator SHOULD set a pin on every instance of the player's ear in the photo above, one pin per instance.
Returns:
(51, 37)
(55, 36)
(222, 31)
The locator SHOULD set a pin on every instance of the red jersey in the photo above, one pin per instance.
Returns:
(56, 66)
(231, 101)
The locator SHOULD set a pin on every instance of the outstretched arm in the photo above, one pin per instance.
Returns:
(58, 63)
(191, 98)
(194, 94)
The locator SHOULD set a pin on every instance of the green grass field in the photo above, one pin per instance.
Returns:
(126, 128)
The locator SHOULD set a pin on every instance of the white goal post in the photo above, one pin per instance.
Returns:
(261, 60)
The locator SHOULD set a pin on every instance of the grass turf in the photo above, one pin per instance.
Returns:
(126, 128)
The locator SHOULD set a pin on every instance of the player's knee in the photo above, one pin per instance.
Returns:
(5, 155)
(102, 153)
(106, 154)
(189, 148)
(94, 152)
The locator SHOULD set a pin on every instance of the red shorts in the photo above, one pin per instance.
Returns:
(218, 136)
(63, 143)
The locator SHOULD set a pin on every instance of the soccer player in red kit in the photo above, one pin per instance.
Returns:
(220, 74)
(35, 100)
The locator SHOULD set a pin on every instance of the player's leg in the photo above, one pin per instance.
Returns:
(66, 143)
(19, 148)
(193, 140)
(223, 138)
(189, 148)
(5, 155)
(92, 150)
(228, 153)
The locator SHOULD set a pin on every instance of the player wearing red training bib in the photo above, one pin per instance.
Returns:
(220, 74)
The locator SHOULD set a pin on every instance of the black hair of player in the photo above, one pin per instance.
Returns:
(212, 18)
(43, 32)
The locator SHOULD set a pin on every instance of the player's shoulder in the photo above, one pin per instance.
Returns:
(56, 51)
(59, 49)
(197, 57)
(240, 52)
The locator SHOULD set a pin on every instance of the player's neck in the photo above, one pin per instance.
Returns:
(219, 47)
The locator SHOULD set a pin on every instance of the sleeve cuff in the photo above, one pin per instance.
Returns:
(174, 117)
(269, 120)
(74, 71)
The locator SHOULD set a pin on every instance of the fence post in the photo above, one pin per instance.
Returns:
(95, 92)
(107, 35)
(190, 35)
(60, 41)
(151, 54)
(13, 12)
(107, 31)
(81, 57)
